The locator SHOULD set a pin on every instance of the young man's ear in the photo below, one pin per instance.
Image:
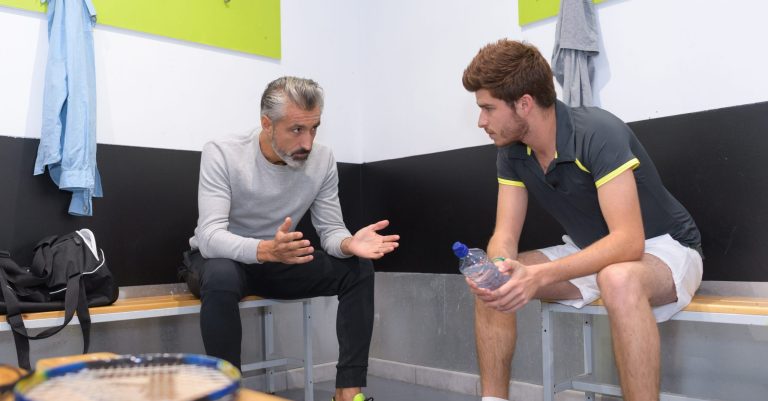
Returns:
(524, 104)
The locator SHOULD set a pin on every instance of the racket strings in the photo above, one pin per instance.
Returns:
(135, 383)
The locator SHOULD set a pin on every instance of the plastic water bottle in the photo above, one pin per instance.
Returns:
(474, 263)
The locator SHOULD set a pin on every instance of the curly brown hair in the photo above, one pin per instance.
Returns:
(509, 69)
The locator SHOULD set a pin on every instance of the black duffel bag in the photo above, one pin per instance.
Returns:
(68, 273)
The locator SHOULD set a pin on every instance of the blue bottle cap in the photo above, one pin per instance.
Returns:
(460, 250)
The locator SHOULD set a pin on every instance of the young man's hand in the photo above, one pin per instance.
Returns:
(516, 292)
(512, 295)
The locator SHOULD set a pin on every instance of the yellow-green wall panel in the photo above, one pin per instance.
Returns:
(32, 5)
(536, 10)
(251, 26)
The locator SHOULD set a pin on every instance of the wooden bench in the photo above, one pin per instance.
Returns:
(186, 304)
(703, 308)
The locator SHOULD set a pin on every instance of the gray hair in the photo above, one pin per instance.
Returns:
(302, 92)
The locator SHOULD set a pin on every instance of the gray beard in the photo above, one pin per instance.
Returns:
(290, 161)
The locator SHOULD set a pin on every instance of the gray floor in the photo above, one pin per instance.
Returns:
(383, 390)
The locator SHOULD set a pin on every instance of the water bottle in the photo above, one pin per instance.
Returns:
(474, 263)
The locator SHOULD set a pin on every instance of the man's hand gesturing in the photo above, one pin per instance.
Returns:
(367, 243)
(288, 246)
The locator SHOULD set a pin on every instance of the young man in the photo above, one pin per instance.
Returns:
(253, 190)
(628, 240)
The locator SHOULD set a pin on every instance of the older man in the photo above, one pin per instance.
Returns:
(253, 190)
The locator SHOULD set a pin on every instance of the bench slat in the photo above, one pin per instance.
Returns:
(722, 304)
(131, 305)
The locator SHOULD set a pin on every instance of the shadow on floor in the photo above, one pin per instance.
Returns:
(383, 390)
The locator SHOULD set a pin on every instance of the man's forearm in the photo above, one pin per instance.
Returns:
(502, 246)
(613, 248)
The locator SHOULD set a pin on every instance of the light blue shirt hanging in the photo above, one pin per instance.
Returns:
(68, 137)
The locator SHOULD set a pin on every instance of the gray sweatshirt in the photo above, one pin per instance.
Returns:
(243, 198)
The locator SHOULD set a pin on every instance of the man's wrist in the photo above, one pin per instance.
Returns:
(344, 246)
(544, 273)
(264, 251)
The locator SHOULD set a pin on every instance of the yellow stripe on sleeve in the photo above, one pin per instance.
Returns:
(630, 164)
(512, 183)
(581, 166)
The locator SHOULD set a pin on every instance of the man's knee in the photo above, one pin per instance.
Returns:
(366, 268)
(487, 315)
(619, 285)
(365, 272)
(359, 273)
(532, 258)
(220, 275)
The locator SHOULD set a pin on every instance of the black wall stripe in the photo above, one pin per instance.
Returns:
(436, 199)
(145, 219)
(711, 161)
(149, 208)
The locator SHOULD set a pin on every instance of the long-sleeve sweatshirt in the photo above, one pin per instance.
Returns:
(243, 199)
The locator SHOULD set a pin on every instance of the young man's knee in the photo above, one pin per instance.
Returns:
(532, 258)
(619, 284)
(488, 315)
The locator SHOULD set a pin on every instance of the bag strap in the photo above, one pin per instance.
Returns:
(74, 297)
(74, 301)
(13, 317)
(84, 316)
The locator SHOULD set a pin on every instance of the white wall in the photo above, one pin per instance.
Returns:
(391, 70)
(163, 93)
(414, 55)
(658, 58)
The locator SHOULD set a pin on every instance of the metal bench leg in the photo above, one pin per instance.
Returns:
(308, 376)
(268, 339)
(548, 360)
(588, 354)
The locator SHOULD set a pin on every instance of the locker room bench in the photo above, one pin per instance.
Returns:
(186, 304)
(703, 308)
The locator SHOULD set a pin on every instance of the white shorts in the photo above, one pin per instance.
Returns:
(684, 262)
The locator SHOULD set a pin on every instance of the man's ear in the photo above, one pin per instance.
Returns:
(525, 103)
(266, 123)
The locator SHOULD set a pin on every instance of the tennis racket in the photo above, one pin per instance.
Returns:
(155, 377)
(9, 376)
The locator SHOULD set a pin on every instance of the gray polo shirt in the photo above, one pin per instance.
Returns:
(593, 147)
